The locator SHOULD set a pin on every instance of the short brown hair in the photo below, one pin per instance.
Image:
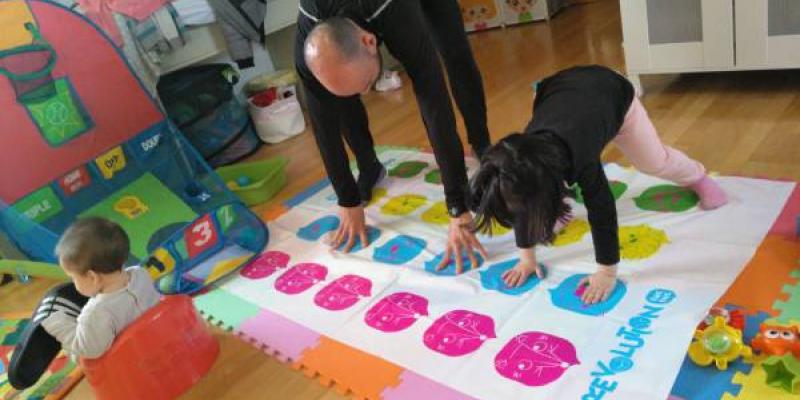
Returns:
(94, 244)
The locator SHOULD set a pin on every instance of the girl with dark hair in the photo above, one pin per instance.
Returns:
(522, 181)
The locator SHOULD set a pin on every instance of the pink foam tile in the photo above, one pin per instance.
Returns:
(282, 335)
(415, 386)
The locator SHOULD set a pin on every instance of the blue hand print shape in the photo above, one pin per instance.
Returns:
(492, 279)
(372, 235)
(450, 269)
(399, 250)
(568, 296)
(313, 231)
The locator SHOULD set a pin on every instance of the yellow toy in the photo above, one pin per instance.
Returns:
(719, 343)
(160, 263)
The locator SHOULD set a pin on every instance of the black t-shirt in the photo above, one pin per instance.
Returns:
(584, 107)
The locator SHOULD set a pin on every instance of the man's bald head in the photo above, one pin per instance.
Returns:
(342, 56)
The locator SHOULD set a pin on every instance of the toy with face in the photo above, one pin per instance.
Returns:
(301, 277)
(404, 204)
(343, 292)
(399, 250)
(459, 332)
(265, 265)
(396, 312)
(776, 340)
(535, 358)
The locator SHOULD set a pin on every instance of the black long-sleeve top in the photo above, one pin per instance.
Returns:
(400, 25)
(584, 107)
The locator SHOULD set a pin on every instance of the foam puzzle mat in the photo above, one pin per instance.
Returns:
(58, 379)
(379, 323)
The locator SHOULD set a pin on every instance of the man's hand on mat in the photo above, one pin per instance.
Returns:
(601, 284)
(352, 227)
(461, 239)
(526, 266)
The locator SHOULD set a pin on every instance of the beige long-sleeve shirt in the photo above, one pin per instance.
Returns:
(103, 317)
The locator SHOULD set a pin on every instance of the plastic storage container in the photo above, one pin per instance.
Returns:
(255, 182)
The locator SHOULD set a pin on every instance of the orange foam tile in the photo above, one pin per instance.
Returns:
(349, 369)
(761, 281)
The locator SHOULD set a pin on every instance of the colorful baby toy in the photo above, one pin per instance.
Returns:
(734, 318)
(776, 340)
(719, 343)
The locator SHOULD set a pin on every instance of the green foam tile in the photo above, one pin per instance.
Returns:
(226, 308)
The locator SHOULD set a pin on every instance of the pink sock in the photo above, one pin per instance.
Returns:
(711, 194)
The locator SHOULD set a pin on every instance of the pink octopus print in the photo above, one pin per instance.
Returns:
(459, 332)
(396, 312)
(343, 292)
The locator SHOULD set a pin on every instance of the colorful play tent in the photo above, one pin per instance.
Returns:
(81, 137)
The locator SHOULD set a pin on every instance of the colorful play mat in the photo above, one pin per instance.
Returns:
(381, 323)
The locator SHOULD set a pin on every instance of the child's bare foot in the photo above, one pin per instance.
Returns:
(600, 284)
(711, 194)
(519, 274)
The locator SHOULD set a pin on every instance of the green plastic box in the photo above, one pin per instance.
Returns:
(266, 178)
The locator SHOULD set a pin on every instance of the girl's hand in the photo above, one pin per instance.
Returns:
(461, 240)
(601, 284)
(525, 267)
(353, 227)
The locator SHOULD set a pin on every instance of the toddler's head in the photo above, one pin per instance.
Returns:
(90, 250)
(522, 175)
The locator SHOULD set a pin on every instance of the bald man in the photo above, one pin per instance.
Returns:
(337, 58)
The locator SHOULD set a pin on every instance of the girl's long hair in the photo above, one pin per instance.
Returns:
(522, 176)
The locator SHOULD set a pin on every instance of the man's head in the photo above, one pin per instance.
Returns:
(342, 56)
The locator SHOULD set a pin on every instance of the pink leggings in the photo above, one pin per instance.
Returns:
(638, 140)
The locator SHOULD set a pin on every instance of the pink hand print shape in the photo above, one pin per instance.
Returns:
(459, 332)
(343, 292)
(265, 265)
(301, 277)
(396, 312)
(535, 358)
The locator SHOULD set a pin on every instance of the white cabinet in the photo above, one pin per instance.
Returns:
(768, 36)
(673, 36)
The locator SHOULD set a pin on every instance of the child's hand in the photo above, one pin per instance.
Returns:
(601, 284)
(525, 267)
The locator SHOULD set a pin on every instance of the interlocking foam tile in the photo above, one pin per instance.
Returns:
(785, 225)
(230, 310)
(789, 310)
(754, 387)
(350, 370)
(764, 277)
(415, 386)
(695, 382)
(279, 336)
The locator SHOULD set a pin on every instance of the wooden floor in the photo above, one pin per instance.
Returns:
(735, 123)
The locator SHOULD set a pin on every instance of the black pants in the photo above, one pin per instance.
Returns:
(444, 22)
